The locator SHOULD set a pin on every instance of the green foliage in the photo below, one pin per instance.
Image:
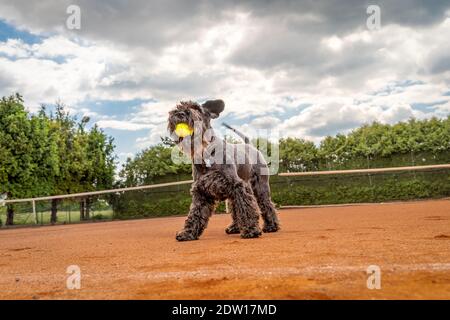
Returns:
(164, 201)
(361, 188)
(26, 151)
(376, 145)
(47, 154)
(98, 217)
(87, 160)
(150, 165)
(297, 154)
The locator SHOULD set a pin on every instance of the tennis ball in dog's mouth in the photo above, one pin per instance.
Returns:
(183, 130)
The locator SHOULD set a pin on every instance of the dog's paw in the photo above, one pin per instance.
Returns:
(184, 235)
(271, 227)
(251, 233)
(232, 229)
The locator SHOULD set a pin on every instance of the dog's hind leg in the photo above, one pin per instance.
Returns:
(233, 228)
(246, 210)
(200, 211)
(261, 189)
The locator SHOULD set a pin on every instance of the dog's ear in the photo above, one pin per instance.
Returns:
(214, 107)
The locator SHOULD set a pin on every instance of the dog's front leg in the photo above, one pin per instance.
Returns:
(199, 214)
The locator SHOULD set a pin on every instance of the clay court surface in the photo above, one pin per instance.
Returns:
(321, 253)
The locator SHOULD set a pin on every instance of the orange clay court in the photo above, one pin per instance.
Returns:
(320, 253)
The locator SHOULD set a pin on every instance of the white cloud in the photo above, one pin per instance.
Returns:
(153, 137)
(123, 125)
(14, 48)
(79, 74)
(266, 122)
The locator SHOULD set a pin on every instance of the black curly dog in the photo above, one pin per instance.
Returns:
(236, 173)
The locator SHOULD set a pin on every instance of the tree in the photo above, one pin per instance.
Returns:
(100, 159)
(297, 155)
(27, 154)
(150, 164)
(48, 154)
(87, 159)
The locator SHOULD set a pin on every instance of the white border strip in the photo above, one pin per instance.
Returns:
(374, 170)
(84, 194)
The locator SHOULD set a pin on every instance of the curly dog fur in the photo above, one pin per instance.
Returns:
(236, 173)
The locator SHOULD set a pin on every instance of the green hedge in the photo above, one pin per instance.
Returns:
(362, 188)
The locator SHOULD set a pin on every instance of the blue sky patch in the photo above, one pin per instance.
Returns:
(396, 87)
(119, 109)
(8, 31)
(427, 107)
(125, 142)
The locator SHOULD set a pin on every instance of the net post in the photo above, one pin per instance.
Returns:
(34, 212)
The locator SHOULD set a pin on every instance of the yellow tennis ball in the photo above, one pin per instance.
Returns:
(183, 130)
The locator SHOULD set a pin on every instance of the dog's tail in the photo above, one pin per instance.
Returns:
(240, 134)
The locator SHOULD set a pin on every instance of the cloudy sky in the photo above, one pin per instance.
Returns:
(304, 68)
